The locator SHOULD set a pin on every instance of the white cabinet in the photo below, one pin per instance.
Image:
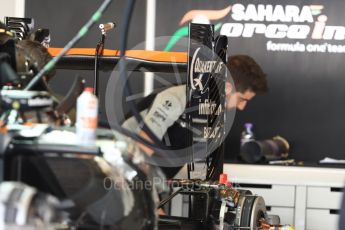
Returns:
(323, 204)
(321, 219)
(324, 197)
(308, 198)
(276, 195)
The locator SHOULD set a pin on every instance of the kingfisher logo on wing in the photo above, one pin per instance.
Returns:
(273, 22)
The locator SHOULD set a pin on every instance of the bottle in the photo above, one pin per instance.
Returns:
(247, 134)
(87, 117)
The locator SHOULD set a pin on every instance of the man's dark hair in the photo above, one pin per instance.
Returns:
(247, 74)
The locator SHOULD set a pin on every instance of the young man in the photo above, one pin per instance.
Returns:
(249, 80)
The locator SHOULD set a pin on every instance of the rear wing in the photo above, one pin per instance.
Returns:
(137, 60)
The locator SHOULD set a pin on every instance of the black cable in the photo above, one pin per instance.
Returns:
(98, 53)
(169, 198)
(123, 75)
(95, 17)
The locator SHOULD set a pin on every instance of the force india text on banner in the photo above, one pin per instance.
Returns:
(289, 22)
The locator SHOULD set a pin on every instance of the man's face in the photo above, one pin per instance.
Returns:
(237, 100)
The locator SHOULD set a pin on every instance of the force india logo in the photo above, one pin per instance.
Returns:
(278, 17)
(272, 22)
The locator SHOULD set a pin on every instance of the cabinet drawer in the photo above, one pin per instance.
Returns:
(324, 197)
(274, 195)
(321, 219)
(286, 214)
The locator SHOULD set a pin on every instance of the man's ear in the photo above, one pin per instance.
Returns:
(229, 88)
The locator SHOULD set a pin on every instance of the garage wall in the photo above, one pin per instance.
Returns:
(64, 18)
(306, 102)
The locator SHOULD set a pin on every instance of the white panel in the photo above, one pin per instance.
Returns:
(322, 197)
(278, 195)
(263, 174)
(150, 41)
(6, 9)
(12, 8)
(185, 206)
(300, 206)
(321, 219)
(176, 205)
(286, 214)
(19, 9)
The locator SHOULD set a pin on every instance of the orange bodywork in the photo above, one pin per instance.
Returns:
(159, 56)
